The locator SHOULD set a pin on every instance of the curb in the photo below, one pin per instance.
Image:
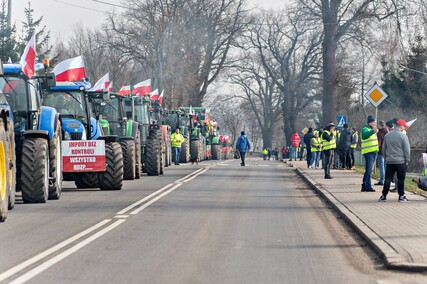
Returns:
(391, 258)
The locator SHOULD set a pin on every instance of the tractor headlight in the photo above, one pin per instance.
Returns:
(84, 135)
(67, 135)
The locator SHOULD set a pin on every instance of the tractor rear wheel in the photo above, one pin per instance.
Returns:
(185, 152)
(129, 163)
(86, 180)
(4, 174)
(215, 152)
(55, 187)
(35, 170)
(112, 178)
(12, 162)
(153, 161)
(138, 160)
(195, 150)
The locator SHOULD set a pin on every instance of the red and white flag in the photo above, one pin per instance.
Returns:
(154, 95)
(28, 58)
(142, 88)
(161, 97)
(101, 84)
(125, 90)
(110, 86)
(72, 69)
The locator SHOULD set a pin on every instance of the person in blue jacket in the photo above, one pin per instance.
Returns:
(242, 146)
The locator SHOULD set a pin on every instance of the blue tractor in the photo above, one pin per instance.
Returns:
(37, 134)
(72, 101)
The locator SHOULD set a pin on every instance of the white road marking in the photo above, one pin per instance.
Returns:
(136, 211)
(195, 175)
(42, 267)
(50, 251)
(189, 175)
(121, 212)
(121, 216)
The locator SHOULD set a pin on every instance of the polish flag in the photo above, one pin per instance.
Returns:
(102, 84)
(161, 97)
(28, 58)
(110, 86)
(125, 90)
(72, 69)
(142, 88)
(154, 95)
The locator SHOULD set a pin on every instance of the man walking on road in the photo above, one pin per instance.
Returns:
(242, 146)
(176, 139)
(397, 153)
(369, 151)
(329, 144)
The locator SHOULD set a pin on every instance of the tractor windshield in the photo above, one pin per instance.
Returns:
(68, 104)
(15, 92)
(108, 110)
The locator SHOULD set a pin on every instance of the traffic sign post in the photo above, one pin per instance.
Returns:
(342, 119)
(376, 96)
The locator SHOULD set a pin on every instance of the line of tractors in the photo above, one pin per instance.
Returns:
(39, 116)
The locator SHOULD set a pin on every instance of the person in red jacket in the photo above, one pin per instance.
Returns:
(295, 140)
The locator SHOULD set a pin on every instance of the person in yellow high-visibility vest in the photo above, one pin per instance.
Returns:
(176, 139)
(328, 144)
(369, 150)
(316, 150)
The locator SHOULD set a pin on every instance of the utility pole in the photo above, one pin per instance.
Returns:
(9, 13)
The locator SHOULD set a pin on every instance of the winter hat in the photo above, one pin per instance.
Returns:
(371, 119)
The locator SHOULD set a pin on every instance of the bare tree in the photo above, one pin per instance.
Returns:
(288, 48)
(260, 94)
(183, 44)
(339, 19)
(99, 56)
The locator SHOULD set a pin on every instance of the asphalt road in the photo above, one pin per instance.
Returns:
(215, 222)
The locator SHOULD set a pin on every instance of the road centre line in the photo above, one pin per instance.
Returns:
(196, 175)
(189, 175)
(121, 217)
(42, 267)
(136, 211)
(123, 211)
(40, 256)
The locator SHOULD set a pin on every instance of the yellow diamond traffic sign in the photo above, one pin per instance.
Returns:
(376, 95)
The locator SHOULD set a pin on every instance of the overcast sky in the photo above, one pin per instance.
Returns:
(61, 16)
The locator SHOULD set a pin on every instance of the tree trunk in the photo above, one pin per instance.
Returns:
(267, 135)
(329, 47)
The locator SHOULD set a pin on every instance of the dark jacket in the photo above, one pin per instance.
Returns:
(345, 139)
(380, 135)
(307, 138)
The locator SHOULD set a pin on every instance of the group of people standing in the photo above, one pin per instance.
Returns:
(334, 148)
(389, 144)
(386, 143)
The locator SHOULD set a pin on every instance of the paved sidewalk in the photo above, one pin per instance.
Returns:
(397, 231)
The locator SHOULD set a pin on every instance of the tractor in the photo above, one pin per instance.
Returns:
(114, 120)
(184, 120)
(37, 135)
(71, 99)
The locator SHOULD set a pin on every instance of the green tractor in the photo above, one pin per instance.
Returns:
(114, 120)
(181, 119)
